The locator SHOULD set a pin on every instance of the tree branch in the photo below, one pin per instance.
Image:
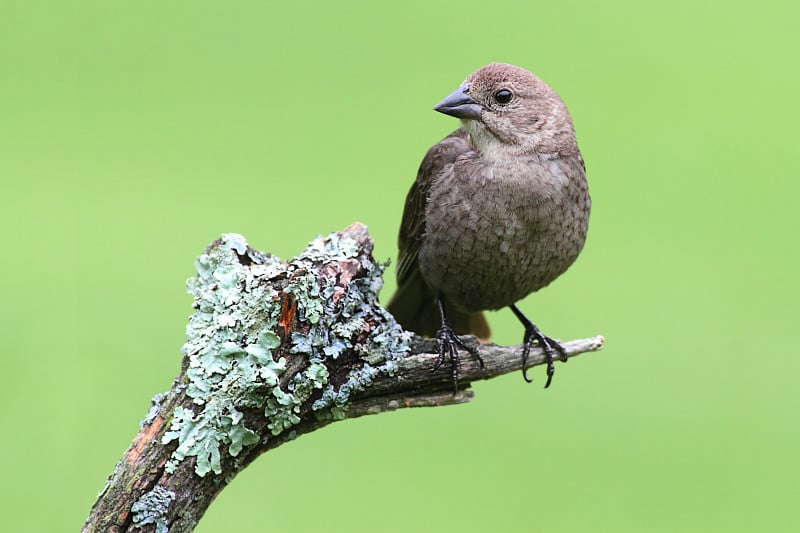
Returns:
(275, 350)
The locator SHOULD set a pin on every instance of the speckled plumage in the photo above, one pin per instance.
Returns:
(499, 209)
(482, 262)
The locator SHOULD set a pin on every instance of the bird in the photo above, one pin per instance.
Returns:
(499, 209)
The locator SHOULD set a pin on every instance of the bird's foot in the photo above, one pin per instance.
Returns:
(449, 343)
(549, 345)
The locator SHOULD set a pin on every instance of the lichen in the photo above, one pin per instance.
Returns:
(152, 507)
(155, 409)
(232, 340)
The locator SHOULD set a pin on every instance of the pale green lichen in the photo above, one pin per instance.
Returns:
(155, 409)
(152, 508)
(231, 339)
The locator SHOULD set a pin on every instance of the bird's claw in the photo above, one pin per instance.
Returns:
(449, 343)
(549, 346)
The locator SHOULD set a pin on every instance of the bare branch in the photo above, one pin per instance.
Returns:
(415, 386)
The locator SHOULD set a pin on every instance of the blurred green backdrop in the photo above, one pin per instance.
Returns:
(132, 134)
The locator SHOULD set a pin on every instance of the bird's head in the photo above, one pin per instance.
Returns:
(506, 107)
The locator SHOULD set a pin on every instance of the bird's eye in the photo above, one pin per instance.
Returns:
(503, 96)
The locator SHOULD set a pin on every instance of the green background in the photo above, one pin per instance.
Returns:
(134, 133)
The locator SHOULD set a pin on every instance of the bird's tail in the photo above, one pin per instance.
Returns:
(414, 307)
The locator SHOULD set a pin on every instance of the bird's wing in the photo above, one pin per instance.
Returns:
(414, 303)
(412, 227)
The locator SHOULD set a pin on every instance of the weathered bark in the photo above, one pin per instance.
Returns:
(199, 434)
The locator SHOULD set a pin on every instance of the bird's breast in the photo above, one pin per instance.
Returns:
(494, 233)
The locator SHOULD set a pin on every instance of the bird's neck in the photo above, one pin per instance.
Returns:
(489, 147)
(493, 150)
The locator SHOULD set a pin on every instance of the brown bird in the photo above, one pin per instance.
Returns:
(499, 209)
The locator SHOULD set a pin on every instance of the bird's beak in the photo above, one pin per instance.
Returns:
(460, 105)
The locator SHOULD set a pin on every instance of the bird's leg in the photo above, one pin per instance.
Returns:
(449, 343)
(549, 345)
